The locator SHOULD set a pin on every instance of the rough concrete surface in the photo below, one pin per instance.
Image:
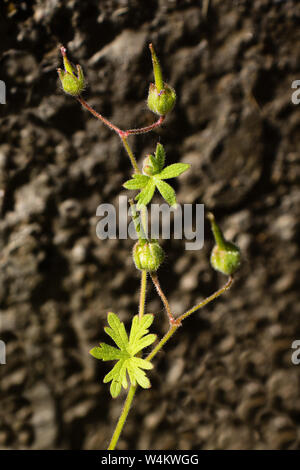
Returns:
(226, 381)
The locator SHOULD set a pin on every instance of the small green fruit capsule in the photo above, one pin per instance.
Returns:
(161, 102)
(72, 79)
(148, 256)
(226, 261)
(161, 97)
(225, 256)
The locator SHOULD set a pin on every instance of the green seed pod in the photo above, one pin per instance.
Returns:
(148, 256)
(161, 97)
(225, 256)
(161, 102)
(72, 79)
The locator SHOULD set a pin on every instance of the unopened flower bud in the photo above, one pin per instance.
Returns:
(148, 255)
(150, 166)
(225, 256)
(161, 97)
(72, 79)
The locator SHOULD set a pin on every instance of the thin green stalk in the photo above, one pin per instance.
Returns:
(138, 223)
(162, 342)
(143, 294)
(130, 154)
(207, 300)
(122, 419)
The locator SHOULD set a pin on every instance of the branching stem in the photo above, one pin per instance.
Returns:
(122, 134)
(173, 328)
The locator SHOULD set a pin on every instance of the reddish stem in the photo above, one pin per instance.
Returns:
(99, 116)
(143, 130)
(155, 281)
(119, 131)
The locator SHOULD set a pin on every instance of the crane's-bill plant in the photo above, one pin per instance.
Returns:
(148, 255)
(126, 354)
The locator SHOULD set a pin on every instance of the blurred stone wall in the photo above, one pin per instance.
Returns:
(226, 381)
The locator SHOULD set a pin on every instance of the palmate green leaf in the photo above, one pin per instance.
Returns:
(138, 182)
(145, 196)
(172, 171)
(138, 338)
(117, 331)
(127, 363)
(167, 192)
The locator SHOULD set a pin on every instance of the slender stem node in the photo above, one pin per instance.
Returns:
(174, 327)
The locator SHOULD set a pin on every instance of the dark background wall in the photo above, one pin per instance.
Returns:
(226, 381)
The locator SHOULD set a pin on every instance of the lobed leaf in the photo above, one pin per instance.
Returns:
(145, 196)
(138, 182)
(174, 170)
(126, 363)
(117, 331)
(142, 343)
(106, 352)
(167, 192)
(160, 156)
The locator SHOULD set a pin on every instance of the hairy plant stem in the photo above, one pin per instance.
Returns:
(173, 328)
(130, 154)
(122, 134)
(163, 298)
(97, 115)
(143, 294)
(139, 130)
(144, 130)
(122, 418)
